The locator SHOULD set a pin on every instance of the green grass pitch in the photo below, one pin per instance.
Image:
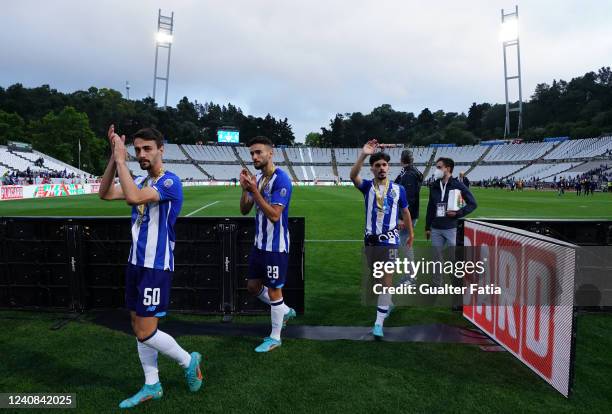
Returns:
(101, 365)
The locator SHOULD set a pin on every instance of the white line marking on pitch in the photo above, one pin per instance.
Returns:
(202, 208)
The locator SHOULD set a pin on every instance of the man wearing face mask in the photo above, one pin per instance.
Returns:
(441, 224)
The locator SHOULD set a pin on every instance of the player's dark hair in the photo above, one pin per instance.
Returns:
(379, 156)
(150, 134)
(448, 162)
(407, 157)
(260, 140)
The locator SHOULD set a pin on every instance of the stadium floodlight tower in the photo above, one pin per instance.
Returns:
(163, 39)
(510, 38)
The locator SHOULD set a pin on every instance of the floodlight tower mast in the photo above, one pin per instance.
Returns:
(510, 37)
(163, 39)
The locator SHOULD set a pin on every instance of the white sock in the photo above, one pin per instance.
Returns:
(382, 310)
(284, 308)
(276, 314)
(148, 360)
(263, 295)
(166, 344)
(381, 314)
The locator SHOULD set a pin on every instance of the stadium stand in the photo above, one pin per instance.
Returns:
(15, 162)
(314, 172)
(467, 153)
(173, 152)
(518, 152)
(422, 154)
(542, 171)
(346, 155)
(220, 153)
(581, 148)
(308, 155)
(590, 165)
(223, 172)
(546, 161)
(587, 167)
(244, 154)
(484, 172)
(22, 161)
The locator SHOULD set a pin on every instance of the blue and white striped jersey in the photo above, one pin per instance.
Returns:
(153, 235)
(377, 220)
(270, 236)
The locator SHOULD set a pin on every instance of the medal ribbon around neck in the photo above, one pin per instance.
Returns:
(381, 196)
(264, 181)
(141, 207)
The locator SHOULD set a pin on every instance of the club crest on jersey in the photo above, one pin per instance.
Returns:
(168, 183)
(283, 192)
(392, 193)
(267, 188)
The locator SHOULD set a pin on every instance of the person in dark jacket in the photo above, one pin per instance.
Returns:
(464, 180)
(441, 224)
(411, 179)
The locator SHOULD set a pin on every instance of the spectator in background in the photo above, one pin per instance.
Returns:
(411, 179)
(464, 180)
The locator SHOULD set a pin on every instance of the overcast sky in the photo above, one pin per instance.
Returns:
(304, 60)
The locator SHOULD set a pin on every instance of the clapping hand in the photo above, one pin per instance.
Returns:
(111, 136)
(118, 145)
(248, 182)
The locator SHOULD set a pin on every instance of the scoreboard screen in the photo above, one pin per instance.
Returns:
(228, 136)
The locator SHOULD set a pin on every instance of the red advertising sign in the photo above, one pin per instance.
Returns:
(11, 192)
(533, 317)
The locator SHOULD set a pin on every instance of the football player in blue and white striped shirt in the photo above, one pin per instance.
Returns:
(383, 200)
(156, 201)
(270, 192)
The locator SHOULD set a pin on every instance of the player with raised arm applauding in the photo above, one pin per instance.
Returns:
(156, 199)
(270, 193)
(383, 200)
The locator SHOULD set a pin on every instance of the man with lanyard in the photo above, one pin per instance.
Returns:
(441, 223)
(270, 193)
(156, 201)
(383, 200)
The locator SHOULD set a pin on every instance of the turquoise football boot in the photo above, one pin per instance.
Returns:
(146, 393)
(193, 373)
(288, 316)
(268, 344)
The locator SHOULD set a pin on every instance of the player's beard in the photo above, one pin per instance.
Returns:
(145, 164)
(261, 165)
(381, 175)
